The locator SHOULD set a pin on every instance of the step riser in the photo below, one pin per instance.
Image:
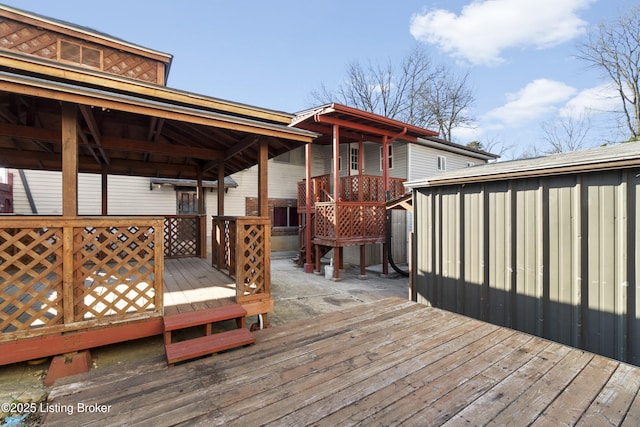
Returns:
(209, 343)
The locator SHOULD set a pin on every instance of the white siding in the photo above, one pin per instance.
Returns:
(423, 161)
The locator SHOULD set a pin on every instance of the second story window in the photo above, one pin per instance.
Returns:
(79, 54)
(442, 163)
(390, 157)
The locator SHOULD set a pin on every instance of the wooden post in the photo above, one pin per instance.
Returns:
(336, 162)
(69, 160)
(221, 188)
(360, 170)
(385, 185)
(363, 271)
(202, 225)
(308, 266)
(263, 179)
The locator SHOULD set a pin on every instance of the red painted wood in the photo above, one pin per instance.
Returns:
(51, 345)
(202, 317)
(208, 344)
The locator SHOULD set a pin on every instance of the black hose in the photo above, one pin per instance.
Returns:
(390, 256)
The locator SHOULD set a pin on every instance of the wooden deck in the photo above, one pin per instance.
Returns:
(383, 363)
(193, 284)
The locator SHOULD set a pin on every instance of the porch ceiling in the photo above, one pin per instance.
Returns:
(355, 125)
(125, 128)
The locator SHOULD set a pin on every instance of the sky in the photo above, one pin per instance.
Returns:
(520, 54)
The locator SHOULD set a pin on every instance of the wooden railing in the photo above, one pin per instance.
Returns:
(344, 223)
(184, 236)
(241, 246)
(59, 275)
(320, 186)
(354, 188)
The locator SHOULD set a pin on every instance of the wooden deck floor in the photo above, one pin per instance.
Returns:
(192, 284)
(383, 363)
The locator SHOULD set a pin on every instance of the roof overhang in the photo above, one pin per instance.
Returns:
(161, 182)
(355, 125)
(132, 129)
(620, 156)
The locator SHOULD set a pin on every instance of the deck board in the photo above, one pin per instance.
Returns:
(385, 362)
(192, 284)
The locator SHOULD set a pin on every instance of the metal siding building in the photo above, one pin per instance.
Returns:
(548, 246)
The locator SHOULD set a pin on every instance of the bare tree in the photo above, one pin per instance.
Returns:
(614, 48)
(567, 132)
(416, 92)
(446, 102)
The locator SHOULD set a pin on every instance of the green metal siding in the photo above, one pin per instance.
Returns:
(553, 256)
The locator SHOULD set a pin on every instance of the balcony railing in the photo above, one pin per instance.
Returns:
(354, 188)
(349, 223)
(60, 275)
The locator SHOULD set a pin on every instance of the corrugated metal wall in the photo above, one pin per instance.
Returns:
(552, 256)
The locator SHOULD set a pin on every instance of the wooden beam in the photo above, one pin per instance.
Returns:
(221, 189)
(140, 146)
(241, 146)
(308, 266)
(364, 128)
(141, 106)
(69, 137)
(90, 120)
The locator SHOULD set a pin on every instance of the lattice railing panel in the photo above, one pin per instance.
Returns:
(325, 220)
(30, 278)
(182, 236)
(242, 246)
(353, 220)
(252, 265)
(116, 275)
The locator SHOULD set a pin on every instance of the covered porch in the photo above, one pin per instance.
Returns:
(347, 207)
(70, 282)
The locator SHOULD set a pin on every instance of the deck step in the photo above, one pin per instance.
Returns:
(208, 344)
(203, 317)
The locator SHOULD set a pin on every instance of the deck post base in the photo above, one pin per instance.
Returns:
(363, 277)
(308, 267)
(68, 364)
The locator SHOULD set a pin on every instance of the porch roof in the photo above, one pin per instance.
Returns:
(127, 127)
(355, 125)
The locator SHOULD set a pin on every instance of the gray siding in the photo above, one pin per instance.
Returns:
(555, 256)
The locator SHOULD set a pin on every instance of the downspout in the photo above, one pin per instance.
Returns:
(388, 222)
(27, 190)
(389, 255)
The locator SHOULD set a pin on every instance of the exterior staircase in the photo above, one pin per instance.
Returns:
(209, 343)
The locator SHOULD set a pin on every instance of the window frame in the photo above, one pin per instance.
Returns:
(82, 47)
(441, 163)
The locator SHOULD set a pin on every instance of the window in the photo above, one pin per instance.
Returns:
(442, 163)
(79, 54)
(285, 216)
(390, 157)
(187, 202)
(355, 159)
(339, 164)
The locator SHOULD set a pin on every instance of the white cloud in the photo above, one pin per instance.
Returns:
(536, 99)
(484, 29)
(600, 99)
